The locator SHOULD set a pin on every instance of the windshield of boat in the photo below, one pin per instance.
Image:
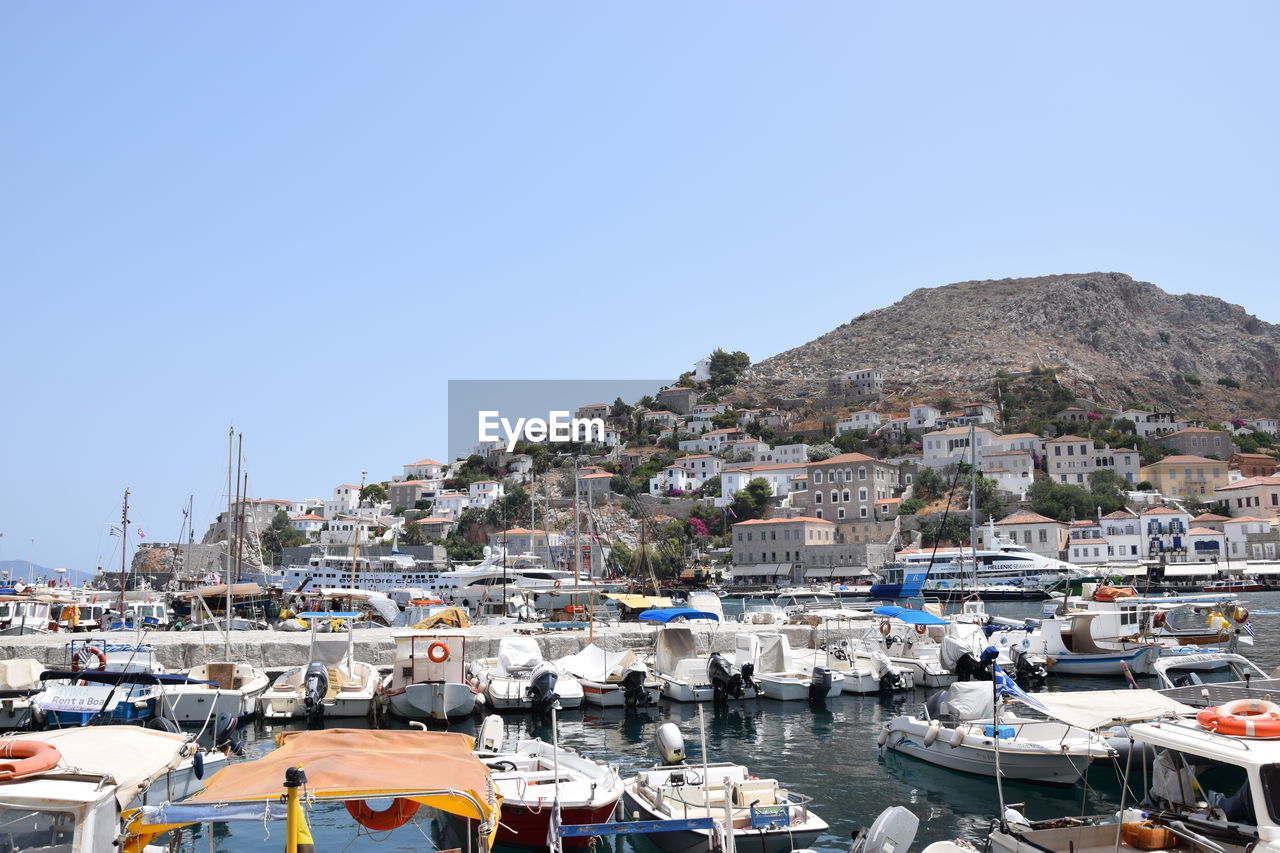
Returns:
(1271, 789)
(29, 829)
(1187, 782)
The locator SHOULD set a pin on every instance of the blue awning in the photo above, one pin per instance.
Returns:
(911, 617)
(667, 614)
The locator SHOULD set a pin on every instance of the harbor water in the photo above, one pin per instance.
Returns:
(828, 753)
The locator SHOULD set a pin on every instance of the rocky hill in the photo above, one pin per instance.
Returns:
(1109, 338)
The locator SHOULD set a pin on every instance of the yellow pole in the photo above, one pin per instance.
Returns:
(291, 820)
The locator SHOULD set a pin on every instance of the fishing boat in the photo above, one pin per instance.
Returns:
(765, 816)
(1069, 647)
(219, 688)
(962, 729)
(612, 679)
(533, 774)
(778, 674)
(67, 790)
(428, 678)
(518, 679)
(333, 683)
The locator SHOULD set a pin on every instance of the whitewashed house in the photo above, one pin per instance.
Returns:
(923, 417)
(345, 499)
(864, 420)
(450, 504)
(484, 493)
(309, 525)
(424, 469)
(949, 446)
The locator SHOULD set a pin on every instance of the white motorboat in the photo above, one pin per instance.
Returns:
(765, 817)
(332, 683)
(533, 774)
(1209, 786)
(226, 688)
(518, 679)
(1069, 647)
(862, 675)
(911, 639)
(69, 787)
(19, 681)
(960, 728)
(685, 673)
(612, 679)
(1188, 669)
(778, 675)
(428, 679)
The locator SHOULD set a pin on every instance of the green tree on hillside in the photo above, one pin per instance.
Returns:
(726, 367)
(278, 536)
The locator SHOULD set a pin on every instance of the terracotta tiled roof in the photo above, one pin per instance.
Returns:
(1185, 460)
(1251, 482)
(425, 462)
(1162, 510)
(1068, 438)
(1208, 516)
(1026, 517)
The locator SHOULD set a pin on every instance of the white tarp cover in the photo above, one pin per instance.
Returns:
(516, 654)
(708, 601)
(672, 646)
(132, 755)
(773, 654)
(1094, 709)
(1131, 571)
(954, 647)
(595, 664)
(20, 673)
(969, 700)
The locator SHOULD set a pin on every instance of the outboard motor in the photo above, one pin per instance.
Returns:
(670, 744)
(933, 705)
(225, 736)
(1026, 671)
(970, 669)
(542, 689)
(748, 670)
(491, 734)
(725, 683)
(820, 682)
(633, 691)
(315, 685)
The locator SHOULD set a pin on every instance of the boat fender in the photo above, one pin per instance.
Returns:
(883, 738)
(393, 816)
(197, 764)
(931, 734)
(437, 652)
(33, 756)
(955, 737)
(1026, 643)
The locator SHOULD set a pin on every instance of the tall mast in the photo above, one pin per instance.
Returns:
(355, 541)
(233, 565)
(124, 549)
(973, 502)
(577, 540)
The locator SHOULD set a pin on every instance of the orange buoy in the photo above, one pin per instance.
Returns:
(34, 756)
(395, 815)
(84, 655)
(437, 652)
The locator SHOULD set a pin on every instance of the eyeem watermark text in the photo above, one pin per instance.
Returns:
(558, 427)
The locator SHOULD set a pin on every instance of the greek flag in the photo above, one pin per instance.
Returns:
(115, 531)
(1006, 686)
(1248, 629)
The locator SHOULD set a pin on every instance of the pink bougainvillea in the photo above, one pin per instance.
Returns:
(1093, 416)
(698, 527)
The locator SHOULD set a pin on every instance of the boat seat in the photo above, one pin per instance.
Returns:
(695, 796)
(337, 682)
(760, 792)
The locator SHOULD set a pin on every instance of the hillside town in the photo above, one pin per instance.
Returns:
(700, 484)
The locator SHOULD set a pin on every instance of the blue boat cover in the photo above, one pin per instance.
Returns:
(911, 617)
(108, 676)
(666, 614)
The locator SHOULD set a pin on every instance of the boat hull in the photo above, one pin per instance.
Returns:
(605, 695)
(1048, 768)
(699, 840)
(794, 689)
(433, 701)
(198, 705)
(1139, 662)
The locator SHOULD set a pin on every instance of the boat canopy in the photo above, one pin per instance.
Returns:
(911, 617)
(132, 756)
(1094, 709)
(452, 617)
(437, 769)
(237, 589)
(637, 602)
(112, 676)
(19, 673)
(667, 614)
(1194, 570)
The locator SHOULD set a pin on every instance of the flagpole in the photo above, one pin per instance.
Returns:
(124, 549)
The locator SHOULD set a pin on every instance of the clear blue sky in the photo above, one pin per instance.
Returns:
(303, 218)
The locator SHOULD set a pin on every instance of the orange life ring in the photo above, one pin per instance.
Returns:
(557, 583)
(81, 657)
(575, 608)
(432, 650)
(921, 629)
(34, 756)
(1242, 717)
(395, 815)
(1240, 614)
(885, 628)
